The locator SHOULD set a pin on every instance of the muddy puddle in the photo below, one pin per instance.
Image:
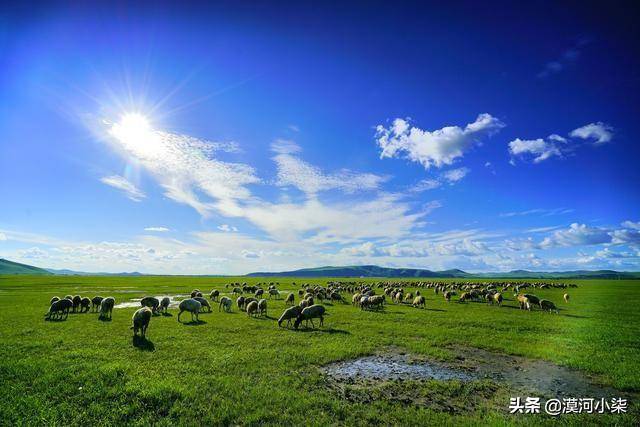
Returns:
(392, 367)
(174, 300)
(469, 366)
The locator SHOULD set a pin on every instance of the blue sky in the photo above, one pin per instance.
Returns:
(271, 136)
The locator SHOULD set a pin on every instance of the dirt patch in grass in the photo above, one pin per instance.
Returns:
(467, 382)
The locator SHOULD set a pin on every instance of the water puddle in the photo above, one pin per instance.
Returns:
(392, 367)
(472, 368)
(135, 302)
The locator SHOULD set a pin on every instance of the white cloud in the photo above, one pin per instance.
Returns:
(157, 229)
(3, 237)
(425, 185)
(433, 148)
(541, 149)
(451, 177)
(227, 228)
(577, 235)
(540, 212)
(599, 132)
(455, 175)
(33, 253)
(121, 183)
(295, 172)
(185, 166)
(631, 224)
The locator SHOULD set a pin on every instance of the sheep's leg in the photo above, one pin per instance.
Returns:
(312, 325)
(321, 321)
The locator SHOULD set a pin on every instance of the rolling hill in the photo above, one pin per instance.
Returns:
(10, 267)
(376, 271)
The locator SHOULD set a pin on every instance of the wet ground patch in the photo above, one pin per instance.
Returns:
(469, 381)
(174, 301)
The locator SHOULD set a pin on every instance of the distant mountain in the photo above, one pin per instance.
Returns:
(376, 271)
(363, 271)
(65, 272)
(10, 267)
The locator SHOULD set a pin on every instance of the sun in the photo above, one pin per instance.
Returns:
(135, 133)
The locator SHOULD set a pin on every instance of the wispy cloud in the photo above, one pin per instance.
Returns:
(567, 57)
(599, 132)
(540, 212)
(121, 183)
(227, 228)
(157, 229)
(295, 172)
(433, 148)
(554, 145)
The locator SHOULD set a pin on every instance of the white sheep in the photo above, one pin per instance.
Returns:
(225, 302)
(190, 305)
(106, 307)
(141, 320)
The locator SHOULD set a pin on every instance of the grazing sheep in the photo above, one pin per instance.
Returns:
(310, 313)
(54, 299)
(375, 301)
(192, 306)
(262, 307)
(397, 298)
(140, 320)
(58, 308)
(106, 307)
(152, 302)
(524, 302)
(303, 303)
(533, 299)
(76, 302)
(291, 299)
(237, 291)
(447, 295)
(241, 302)
(309, 300)
(288, 314)
(252, 308)
(547, 305)
(494, 298)
(95, 303)
(355, 299)
(419, 301)
(226, 303)
(214, 295)
(85, 305)
(164, 304)
(195, 292)
(566, 297)
(275, 292)
(465, 296)
(204, 303)
(69, 297)
(259, 293)
(334, 296)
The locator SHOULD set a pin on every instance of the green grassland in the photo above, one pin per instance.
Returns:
(232, 369)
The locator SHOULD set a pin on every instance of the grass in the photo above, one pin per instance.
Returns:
(231, 369)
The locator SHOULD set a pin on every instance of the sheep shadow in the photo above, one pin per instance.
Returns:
(142, 343)
(434, 309)
(104, 319)
(194, 323)
(166, 314)
(324, 331)
(61, 319)
(265, 317)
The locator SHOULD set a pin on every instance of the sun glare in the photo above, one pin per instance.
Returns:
(135, 133)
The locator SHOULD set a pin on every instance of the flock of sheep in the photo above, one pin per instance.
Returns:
(249, 298)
